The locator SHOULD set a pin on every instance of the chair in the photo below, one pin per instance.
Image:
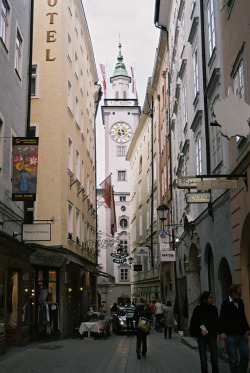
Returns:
(105, 329)
(76, 328)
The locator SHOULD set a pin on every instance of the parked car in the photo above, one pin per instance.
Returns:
(119, 321)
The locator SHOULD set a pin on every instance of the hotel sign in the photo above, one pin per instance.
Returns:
(37, 232)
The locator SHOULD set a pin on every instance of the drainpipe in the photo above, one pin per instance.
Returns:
(152, 181)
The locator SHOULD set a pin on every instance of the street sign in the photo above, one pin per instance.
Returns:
(215, 184)
(138, 267)
(198, 197)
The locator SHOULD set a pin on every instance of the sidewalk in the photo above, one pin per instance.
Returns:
(113, 355)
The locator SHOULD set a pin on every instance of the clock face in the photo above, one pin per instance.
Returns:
(121, 132)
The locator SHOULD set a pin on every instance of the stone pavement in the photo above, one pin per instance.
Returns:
(113, 355)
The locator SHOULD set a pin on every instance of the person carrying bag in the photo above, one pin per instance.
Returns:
(142, 318)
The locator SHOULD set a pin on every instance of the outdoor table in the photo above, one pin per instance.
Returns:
(91, 327)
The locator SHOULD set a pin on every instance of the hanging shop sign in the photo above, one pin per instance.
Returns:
(188, 182)
(37, 232)
(24, 165)
(119, 261)
(142, 251)
(198, 197)
(204, 185)
(119, 256)
(167, 256)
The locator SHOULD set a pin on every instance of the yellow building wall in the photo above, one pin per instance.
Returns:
(53, 21)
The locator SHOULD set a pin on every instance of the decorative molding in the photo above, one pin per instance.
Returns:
(193, 30)
(197, 120)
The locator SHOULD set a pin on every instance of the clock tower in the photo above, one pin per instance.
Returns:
(120, 114)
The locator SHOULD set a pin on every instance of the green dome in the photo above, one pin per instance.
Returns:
(120, 68)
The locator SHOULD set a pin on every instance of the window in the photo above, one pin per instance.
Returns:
(82, 123)
(77, 165)
(123, 223)
(69, 48)
(216, 146)
(124, 244)
(198, 158)
(70, 220)
(82, 173)
(70, 155)
(18, 52)
(77, 112)
(124, 274)
(76, 22)
(185, 112)
(211, 29)
(122, 198)
(77, 226)
(121, 150)
(4, 20)
(196, 73)
(76, 66)
(121, 175)
(34, 81)
(69, 95)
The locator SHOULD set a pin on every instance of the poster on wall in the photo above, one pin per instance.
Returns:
(24, 166)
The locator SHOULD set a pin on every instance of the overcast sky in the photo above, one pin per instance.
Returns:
(132, 23)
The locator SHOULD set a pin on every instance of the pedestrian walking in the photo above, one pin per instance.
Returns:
(129, 309)
(168, 320)
(141, 310)
(234, 329)
(158, 311)
(204, 326)
(152, 307)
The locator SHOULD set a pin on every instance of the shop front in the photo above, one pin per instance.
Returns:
(16, 297)
(64, 287)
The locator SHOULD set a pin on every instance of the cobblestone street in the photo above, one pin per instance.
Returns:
(115, 354)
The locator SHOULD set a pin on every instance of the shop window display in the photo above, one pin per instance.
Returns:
(12, 299)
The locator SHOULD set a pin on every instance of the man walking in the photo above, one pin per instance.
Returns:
(234, 329)
(129, 311)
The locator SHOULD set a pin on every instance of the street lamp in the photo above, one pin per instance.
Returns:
(162, 211)
(130, 260)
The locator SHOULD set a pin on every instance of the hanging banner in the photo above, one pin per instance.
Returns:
(25, 162)
(164, 239)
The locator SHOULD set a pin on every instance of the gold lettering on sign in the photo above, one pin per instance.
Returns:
(48, 56)
(52, 2)
(51, 36)
(51, 17)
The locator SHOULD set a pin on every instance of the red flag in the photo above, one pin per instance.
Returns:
(113, 225)
(102, 67)
(133, 79)
(106, 187)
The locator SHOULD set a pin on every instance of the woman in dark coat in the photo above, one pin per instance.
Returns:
(142, 310)
(204, 326)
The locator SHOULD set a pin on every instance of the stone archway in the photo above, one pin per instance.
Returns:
(245, 263)
(193, 278)
(209, 269)
(225, 278)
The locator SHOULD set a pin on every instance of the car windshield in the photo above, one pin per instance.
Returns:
(120, 312)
